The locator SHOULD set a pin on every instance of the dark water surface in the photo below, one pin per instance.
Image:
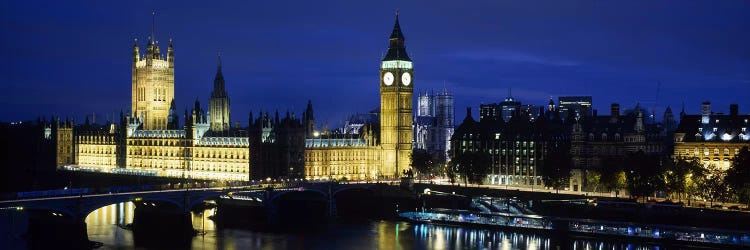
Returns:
(104, 226)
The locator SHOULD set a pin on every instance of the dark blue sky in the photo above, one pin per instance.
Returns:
(73, 58)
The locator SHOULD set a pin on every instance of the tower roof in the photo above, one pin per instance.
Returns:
(219, 90)
(396, 47)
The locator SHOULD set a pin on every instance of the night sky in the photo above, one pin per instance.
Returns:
(73, 58)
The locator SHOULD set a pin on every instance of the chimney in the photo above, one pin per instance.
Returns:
(706, 108)
(615, 110)
(733, 109)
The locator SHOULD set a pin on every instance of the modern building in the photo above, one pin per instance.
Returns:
(714, 138)
(503, 110)
(571, 105)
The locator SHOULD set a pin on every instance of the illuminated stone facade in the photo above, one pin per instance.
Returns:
(97, 147)
(153, 85)
(359, 156)
(396, 90)
(218, 105)
(344, 158)
(712, 138)
(150, 142)
(64, 137)
(192, 152)
(433, 124)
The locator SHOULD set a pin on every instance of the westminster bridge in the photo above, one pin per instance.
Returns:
(60, 219)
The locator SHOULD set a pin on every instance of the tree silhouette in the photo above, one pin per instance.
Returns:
(421, 161)
(645, 174)
(738, 176)
(713, 187)
(683, 175)
(472, 165)
(555, 170)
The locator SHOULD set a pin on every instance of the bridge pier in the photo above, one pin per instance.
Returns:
(162, 224)
(49, 230)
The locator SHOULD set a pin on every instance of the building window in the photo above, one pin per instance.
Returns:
(716, 151)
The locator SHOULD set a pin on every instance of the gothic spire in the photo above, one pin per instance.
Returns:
(396, 48)
(219, 90)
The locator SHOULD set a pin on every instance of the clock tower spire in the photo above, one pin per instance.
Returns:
(396, 90)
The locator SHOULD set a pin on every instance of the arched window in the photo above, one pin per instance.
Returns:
(604, 136)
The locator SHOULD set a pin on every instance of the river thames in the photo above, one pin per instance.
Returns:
(106, 225)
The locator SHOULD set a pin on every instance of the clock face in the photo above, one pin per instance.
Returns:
(406, 78)
(388, 78)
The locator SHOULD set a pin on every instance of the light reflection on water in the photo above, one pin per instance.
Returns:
(104, 226)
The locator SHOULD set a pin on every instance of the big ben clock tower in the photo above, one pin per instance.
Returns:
(396, 88)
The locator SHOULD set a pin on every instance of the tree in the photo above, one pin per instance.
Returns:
(593, 180)
(472, 165)
(421, 161)
(620, 182)
(645, 174)
(738, 176)
(452, 167)
(555, 170)
(713, 187)
(612, 175)
(681, 174)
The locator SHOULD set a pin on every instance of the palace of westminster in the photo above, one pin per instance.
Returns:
(149, 141)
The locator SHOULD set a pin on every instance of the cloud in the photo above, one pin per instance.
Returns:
(504, 55)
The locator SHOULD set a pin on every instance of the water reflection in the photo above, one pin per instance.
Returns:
(106, 225)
